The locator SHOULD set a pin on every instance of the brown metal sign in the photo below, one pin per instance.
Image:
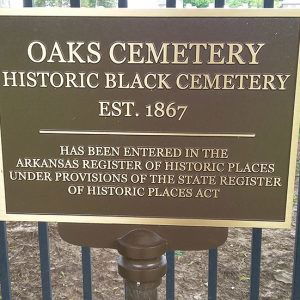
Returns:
(178, 237)
(159, 118)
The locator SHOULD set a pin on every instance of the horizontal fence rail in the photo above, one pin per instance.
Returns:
(170, 278)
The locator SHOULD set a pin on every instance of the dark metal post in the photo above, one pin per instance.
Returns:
(219, 3)
(142, 263)
(255, 263)
(86, 273)
(4, 265)
(75, 3)
(212, 273)
(45, 260)
(27, 3)
(170, 280)
(122, 4)
(268, 3)
(171, 3)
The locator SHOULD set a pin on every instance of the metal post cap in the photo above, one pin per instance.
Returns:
(141, 244)
(142, 257)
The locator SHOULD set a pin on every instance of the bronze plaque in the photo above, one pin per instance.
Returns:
(171, 117)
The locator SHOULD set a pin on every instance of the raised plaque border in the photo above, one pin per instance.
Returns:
(169, 12)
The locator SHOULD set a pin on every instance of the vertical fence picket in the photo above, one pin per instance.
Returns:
(213, 253)
(212, 274)
(219, 3)
(4, 265)
(27, 3)
(86, 273)
(171, 3)
(296, 276)
(45, 260)
(255, 263)
(122, 4)
(75, 3)
(268, 3)
(256, 236)
(170, 279)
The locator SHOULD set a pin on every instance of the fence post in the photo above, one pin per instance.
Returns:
(255, 263)
(142, 263)
(45, 260)
(212, 273)
(4, 264)
(170, 279)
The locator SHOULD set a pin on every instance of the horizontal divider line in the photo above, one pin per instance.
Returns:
(145, 133)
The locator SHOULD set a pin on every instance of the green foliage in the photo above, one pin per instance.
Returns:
(84, 3)
(249, 3)
(277, 3)
(88, 3)
(47, 3)
(97, 3)
(198, 3)
(113, 3)
(51, 3)
(231, 3)
(179, 253)
(108, 3)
